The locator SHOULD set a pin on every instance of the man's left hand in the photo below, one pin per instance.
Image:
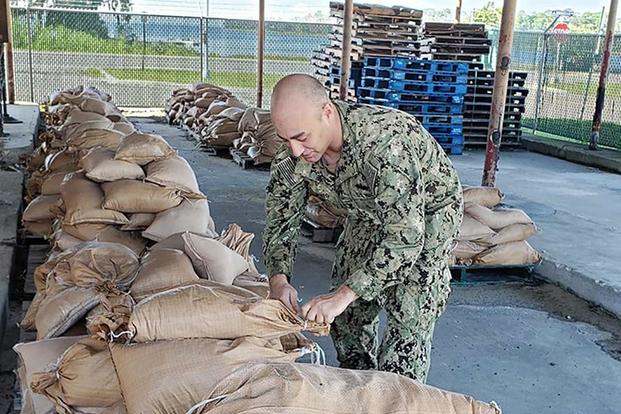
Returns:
(324, 308)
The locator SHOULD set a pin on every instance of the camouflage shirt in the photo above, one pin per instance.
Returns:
(391, 174)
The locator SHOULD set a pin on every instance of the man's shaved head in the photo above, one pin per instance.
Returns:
(298, 92)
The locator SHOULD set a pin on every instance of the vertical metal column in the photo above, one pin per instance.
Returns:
(30, 68)
(499, 95)
(348, 14)
(458, 11)
(260, 53)
(603, 75)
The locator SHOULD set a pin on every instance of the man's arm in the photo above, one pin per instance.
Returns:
(395, 177)
(285, 204)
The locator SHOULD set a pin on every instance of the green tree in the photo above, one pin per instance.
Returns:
(489, 14)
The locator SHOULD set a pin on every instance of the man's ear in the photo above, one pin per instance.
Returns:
(327, 110)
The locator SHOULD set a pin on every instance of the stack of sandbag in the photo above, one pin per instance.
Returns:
(259, 139)
(187, 104)
(324, 214)
(493, 235)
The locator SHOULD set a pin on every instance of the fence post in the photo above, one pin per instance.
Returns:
(30, 68)
(261, 47)
(144, 40)
(201, 45)
(540, 80)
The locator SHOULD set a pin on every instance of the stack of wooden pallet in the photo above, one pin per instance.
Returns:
(454, 41)
(376, 31)
(478, 101)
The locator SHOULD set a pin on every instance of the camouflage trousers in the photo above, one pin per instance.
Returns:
(412, 304)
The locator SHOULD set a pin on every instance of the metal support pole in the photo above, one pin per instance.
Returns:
(144, 40)
(260, 53)
(603, 74)
(595, 55)
(201, 46)
(499, 95)
(348, 15)
(30, 68)
(458, 11)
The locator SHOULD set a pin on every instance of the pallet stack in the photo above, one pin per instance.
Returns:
(376, 31)
(432, 91)
(454, 41)
(478, 102)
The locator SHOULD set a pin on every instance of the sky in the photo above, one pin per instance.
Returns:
(291, 9)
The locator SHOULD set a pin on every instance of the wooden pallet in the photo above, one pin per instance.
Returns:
(490, 274)
(245, 161)
(319, 234)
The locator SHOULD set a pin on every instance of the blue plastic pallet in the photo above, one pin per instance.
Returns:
(430, 65)
(376, 73)
(442, 129)
(376, 93)
(449, 138)
(428, 76)
(428, 107)
(427, 87)
(378, 83)
(452, 120)
(404, 97)
(378, 62)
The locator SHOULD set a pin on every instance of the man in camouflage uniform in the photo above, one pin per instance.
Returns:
(404, 207)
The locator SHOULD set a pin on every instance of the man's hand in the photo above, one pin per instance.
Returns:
(324, 308)
(281, 289)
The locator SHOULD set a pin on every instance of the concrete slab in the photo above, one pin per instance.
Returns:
(532, 347)
(606, 159)
(19, 140)
(576, 207)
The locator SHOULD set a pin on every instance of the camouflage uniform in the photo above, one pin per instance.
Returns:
(404, 207)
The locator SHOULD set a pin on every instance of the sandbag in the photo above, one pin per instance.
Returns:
(100, 166)
(141, 149)
(76, 130)
(257, 284)
(83, 201)
(64, 241)
(130, 239)
(499, 218)
(131, 196)
(162, 270)
(213, 260)
(291, 388)
(51, 183)
(511, 233)
(139, 221)
(489, 197)
(41, 208)
(180, 372)
(213, 311)
(467, 249)
(85, 231)
(124, 127)
(84, 376)
(39, 228)
(173, 172)
(239, 241)
(189, 215)
(60, 311)
(514, 253)
(472, 229)
(36, 357)
(61, 161)
(109, 139)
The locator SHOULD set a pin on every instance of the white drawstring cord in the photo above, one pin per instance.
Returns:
(114, 336)
(204, 403)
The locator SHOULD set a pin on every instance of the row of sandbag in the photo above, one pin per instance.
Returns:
(203, 347)
(218, 120)
(90, 182)
(493, 235)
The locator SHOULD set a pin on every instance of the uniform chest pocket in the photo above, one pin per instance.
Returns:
(357, 195)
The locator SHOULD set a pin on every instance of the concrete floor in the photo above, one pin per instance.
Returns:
(529, 345)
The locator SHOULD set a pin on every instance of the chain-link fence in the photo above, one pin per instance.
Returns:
(141, 58)
(563, 75)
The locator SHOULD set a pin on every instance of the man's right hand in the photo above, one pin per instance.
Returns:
(281, 289)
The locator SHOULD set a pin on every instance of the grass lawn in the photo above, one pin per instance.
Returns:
(225, 79)
(612, 89)
(576, 130)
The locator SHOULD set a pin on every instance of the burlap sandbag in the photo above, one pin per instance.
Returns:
(180, 372)
(61, 161)
(39, 228)
(467, 249)
(130, 239)
(514, 253)
(36, 357)
(257, 284)
(51, 183)
(141, 149)
(189, 215)
(489, 197)
(106, 138)
(511, 233)
(60, 311)
(41, 208)
(132, 196)
(291, 388)
(83, 200)
(78, 116)
(84, 376)
(472, 229)
(75, 131)
(62, 240)
(238, 240)
(173, 172)
(162, 270)
(85, 231)
(216, 311)
(100, 166)
(213, 260)
(139, 221)
(107, 109)
(124, 127)
(499, 218)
